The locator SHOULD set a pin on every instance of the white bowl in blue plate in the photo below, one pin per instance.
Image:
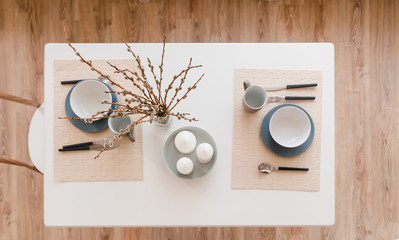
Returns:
(95, 126)
(277, 148)
(290, 126)
(86, 98)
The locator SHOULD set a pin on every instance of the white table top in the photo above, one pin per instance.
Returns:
(162, 199)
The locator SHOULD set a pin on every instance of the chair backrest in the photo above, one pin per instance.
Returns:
(9, 97)
(19, 163)
(13, 98)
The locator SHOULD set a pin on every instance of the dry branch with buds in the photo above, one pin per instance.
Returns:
(150, 103)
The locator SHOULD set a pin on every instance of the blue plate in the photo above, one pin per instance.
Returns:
(95, 126)
(275, 147)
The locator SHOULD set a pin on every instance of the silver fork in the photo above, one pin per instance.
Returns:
(279, 98)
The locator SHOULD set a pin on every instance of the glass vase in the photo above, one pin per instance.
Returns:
(163, 122)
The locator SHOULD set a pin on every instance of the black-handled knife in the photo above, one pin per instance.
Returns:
(79, 148)
(300, 98)
(84, 144)
(71, 81)
(79, 80)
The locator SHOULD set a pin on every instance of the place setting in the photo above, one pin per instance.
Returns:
(277, 124)
(79, 95)
(84, 100)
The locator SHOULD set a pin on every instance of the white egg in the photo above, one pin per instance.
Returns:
(204, 152)
(185, 165)
(185, 142)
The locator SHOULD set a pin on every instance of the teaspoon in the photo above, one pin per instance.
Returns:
(268, 168)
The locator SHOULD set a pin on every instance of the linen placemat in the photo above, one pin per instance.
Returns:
(248, 148)
(124, 163)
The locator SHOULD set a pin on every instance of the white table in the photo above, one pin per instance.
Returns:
(162, 199)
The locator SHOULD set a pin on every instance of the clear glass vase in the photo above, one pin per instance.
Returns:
(163, 122)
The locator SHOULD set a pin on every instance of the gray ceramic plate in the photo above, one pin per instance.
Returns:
(171, 155)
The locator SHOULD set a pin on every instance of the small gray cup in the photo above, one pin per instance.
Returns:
(117, 124)
(255, 98)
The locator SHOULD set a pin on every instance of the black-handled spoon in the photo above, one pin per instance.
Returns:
(268, 168)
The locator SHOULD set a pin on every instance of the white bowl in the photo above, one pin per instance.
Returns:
(86, 97)
(290, 126)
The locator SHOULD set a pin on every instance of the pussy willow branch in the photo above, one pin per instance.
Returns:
(156, 81)
(177, 77)
(185, 95)
(118, 70)
(89, 63)
(139, 121)
(183, 116)
(144, 77)
(180, 85)
(161, 65)
(159, 83)
(135, 97)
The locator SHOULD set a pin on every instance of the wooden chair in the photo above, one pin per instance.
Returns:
(35, 135)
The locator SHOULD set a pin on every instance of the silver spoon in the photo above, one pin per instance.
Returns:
(268, 168)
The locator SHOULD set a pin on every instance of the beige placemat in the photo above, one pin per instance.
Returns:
(248, 148)
(124, 163)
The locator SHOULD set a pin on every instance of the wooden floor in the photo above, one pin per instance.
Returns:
(366, 38)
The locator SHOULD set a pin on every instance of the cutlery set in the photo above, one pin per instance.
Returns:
(94, 145)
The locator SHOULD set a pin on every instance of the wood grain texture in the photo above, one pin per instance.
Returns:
(365, 34)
